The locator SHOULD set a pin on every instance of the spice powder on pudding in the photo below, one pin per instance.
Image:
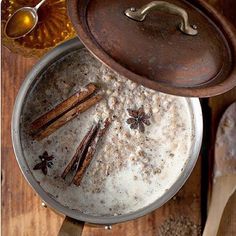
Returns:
(130, 169)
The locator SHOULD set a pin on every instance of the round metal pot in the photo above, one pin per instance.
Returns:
(25, 89)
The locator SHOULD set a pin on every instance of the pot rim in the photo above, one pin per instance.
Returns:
(30, 80)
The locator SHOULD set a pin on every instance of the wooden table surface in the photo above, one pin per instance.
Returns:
(22, 213)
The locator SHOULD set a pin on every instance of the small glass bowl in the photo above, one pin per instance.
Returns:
(53, 27)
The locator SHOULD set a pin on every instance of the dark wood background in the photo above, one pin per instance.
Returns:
(22, 213)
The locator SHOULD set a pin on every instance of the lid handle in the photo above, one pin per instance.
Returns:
(140, 14)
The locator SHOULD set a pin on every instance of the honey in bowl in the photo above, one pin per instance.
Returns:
(53, 27)
(20, 23)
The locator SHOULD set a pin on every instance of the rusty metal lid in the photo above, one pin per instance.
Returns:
(175, 47)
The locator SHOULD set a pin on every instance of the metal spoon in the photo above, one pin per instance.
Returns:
(22, 22)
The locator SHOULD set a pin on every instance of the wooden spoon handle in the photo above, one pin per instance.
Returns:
(223, 188)
(71, 227)
(228, 220)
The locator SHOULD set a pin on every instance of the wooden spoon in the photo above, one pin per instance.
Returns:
(224, 170)
(228, 219)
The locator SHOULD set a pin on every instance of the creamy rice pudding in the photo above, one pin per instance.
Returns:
(130, 169)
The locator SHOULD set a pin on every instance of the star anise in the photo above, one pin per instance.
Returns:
(138, 119)
(46, 161)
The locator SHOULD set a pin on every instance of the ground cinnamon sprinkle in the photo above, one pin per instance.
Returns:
(179, 226)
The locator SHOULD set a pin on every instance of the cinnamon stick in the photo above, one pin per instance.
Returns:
(67, 117)
(80, 150)
(90, 153)
(62, 107)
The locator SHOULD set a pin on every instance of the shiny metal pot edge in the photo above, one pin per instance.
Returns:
(30, 80)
